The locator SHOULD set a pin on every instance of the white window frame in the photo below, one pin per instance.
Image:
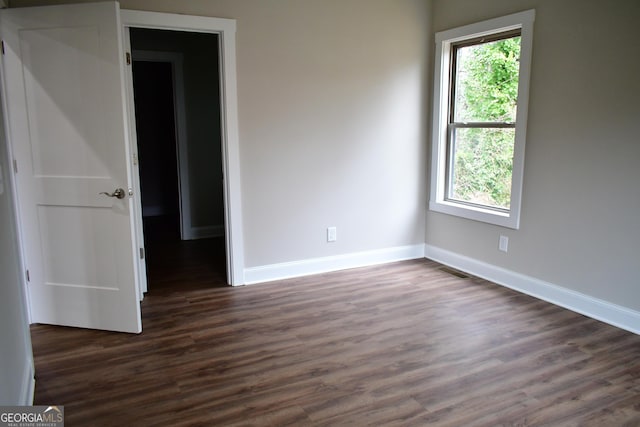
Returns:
(444, 40)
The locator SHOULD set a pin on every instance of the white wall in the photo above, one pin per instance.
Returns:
(580, 224)
(16, 360)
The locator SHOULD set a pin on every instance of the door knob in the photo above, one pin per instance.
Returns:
(119, 193)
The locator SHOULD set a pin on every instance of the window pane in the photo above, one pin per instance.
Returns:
(481, 166)
(486, 81)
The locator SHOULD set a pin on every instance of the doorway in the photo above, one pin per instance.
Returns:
(179, 145)
(156, 141)
(225, 29)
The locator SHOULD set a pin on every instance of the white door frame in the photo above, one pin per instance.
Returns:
(226, 31)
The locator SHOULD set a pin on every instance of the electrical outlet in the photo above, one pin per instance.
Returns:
(332, 234)
(503, 245)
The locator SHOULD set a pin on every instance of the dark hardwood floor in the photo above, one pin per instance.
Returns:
(175, 265)
(406, 344)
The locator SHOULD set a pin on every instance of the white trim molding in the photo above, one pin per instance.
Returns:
(308, 267)
(595, 308)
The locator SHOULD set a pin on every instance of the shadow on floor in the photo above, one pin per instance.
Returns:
(175, 265)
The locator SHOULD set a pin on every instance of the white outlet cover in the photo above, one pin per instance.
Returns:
(503, 245)
(332, 234)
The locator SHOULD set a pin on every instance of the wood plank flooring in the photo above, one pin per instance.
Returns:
(403, 344)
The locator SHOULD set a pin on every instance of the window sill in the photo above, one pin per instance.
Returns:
(476, 213)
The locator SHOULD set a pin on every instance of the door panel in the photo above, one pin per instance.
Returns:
(63, 73)
(60, 267)
(64, 101)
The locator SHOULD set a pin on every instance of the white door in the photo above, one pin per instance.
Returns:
(63, 77)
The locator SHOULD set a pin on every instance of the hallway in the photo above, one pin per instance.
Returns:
(175, 265)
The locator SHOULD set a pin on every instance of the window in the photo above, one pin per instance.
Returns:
(480, 115)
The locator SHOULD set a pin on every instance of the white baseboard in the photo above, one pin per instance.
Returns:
(28, 385)
(307, 267)
(595, 308)
(206, 232)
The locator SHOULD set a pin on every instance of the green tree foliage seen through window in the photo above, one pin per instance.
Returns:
(486, 79)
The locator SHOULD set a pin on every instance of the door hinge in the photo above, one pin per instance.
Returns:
(28, 276)
(15, 166)
(135, 159)
(2, 43)
(128, 56)
(141, 253)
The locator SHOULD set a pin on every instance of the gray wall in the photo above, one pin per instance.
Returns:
(332, 116)
(16, 360)
(580, 223)
(332, 121)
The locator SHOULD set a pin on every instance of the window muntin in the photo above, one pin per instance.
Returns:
(457, 128)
